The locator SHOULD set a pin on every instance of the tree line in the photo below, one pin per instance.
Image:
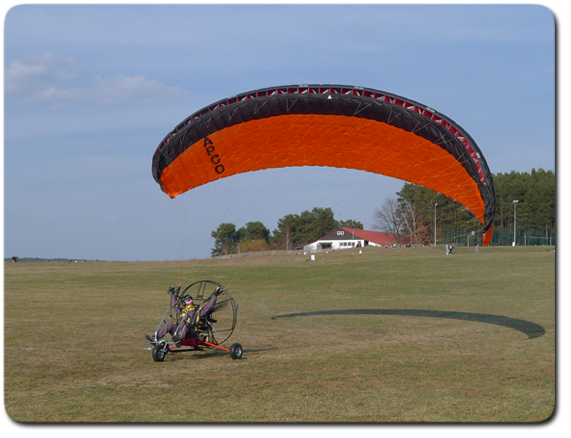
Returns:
(411, 217)
(294, 231)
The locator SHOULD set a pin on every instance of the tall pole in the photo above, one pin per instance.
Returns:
(435, 224)
(515, 204)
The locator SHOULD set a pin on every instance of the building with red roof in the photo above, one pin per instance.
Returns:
(344, 238)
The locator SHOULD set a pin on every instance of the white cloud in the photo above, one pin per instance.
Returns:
(60, 95)
(138, 89)
(38, 72)
(44, 78)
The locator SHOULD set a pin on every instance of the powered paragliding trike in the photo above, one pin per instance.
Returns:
(213, 328)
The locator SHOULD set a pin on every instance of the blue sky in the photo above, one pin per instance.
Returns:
(90, 91)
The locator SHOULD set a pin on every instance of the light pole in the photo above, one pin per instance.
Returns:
(435, 224)
(515, 205)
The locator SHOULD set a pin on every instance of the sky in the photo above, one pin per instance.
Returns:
(91, 90)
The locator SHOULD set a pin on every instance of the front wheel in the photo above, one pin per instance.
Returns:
(236, 351)
(159, 352)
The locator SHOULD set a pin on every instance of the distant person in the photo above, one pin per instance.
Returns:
(190, 316)
(477, 249)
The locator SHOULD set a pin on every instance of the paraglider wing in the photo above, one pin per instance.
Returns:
(327, 125)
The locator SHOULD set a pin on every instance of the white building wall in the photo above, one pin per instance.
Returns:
(312, 247)
(346, 244)
(335, 245)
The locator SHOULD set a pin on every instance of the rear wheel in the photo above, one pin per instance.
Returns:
(236, 351)
(159, 352)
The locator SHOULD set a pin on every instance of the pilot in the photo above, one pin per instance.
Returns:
(190, 316)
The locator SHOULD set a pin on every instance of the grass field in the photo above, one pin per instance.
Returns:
(392, 335)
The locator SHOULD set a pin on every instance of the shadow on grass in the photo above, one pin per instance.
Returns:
(530, 329)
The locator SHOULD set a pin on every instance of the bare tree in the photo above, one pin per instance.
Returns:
(411, 220)
(388, 218)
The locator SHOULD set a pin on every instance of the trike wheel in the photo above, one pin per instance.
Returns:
(159, 352)
(236, 351)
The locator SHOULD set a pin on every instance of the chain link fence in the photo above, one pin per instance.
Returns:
(501, 237)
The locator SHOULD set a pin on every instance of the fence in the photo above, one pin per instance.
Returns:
(501, 237)
(524, 237)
